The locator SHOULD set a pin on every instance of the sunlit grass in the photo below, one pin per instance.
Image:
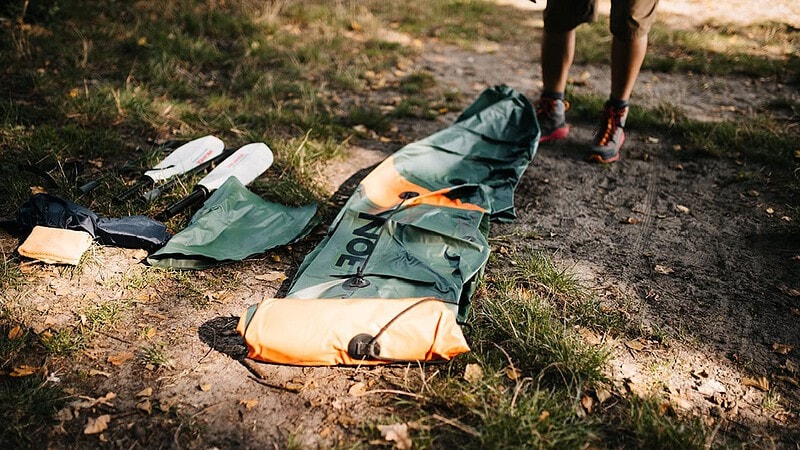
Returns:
(767, 49)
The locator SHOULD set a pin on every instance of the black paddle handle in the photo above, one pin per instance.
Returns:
(138, 186)
(196, 196)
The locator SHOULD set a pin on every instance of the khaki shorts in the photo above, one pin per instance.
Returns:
(630, 19)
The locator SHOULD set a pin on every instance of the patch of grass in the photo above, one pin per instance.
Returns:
(494, 414)
(156, 355)
(417, 82)
(64, 342)
(760, 50)
(538, 268)
(12, 344)
(105, 315)
(524, 328)
(29, 404)
(463, 22)
(138, 280)
(787, 104)
(650, 423)
(415, 106)
(10, 274)
(186, 289)
(771, 401)
(368, 116)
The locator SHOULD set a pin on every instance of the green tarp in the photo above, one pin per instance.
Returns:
(233, 223)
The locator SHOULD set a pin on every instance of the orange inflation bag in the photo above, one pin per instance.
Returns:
(312, 332)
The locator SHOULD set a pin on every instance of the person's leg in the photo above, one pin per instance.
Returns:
(558, 51)
(630, 23)
(561, 17)
(627, 57)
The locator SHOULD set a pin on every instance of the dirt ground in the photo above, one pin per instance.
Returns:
(700, 254)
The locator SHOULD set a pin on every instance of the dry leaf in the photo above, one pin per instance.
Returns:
(271, 276)
(513, 373)
(205, 387)
(143, 297)
(165, 404)
(64, 414)
(150, 333)
(146, 392)
(118, 359)
(23, 371)
(761, 383)
(105, 399)
(358, 389)
(587, 403)
(397, 433)
(97, 424)
(602, 394)
(590, 336)
(782, 349)
(711, 387)
(249, 404)
(292, 386)
(682, 209)
(544, 415)
(15, 333)
(663, 270)
(145, 406)
(473, 373)
(95, 372)
(635, 344)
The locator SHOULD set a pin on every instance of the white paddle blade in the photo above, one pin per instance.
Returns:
(246, 164)
(186, 157)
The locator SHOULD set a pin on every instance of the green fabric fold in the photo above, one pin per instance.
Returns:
(233, 223)
(424, 250)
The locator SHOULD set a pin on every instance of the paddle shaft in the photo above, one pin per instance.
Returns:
(198, 195)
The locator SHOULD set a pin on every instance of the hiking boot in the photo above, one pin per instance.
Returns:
(551, 117)
(609, 135)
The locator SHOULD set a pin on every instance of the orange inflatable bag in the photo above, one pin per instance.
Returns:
(314, 332)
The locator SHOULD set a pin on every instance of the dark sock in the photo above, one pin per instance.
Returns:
(617, 103)
(553, 95)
